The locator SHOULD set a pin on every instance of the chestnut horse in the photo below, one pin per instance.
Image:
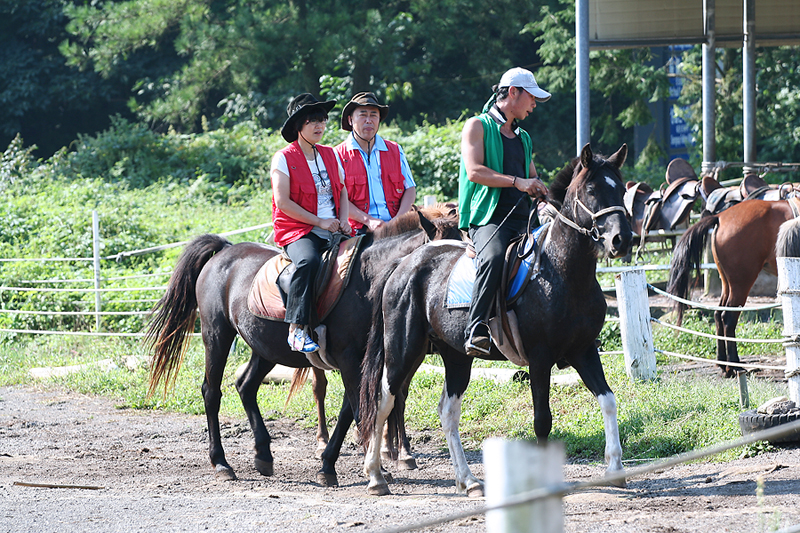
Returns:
(743, 243)
(213, 277)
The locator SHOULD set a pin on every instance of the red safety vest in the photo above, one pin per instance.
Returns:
(303, 192)
(355, 178)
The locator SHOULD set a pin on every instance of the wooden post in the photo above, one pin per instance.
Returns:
(634, 322)
(98, 304)
(789, 291)
(429, 200)
(514, 467)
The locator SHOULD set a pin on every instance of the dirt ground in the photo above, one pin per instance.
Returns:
(155, 476)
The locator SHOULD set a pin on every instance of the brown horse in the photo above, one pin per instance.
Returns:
(743, 243)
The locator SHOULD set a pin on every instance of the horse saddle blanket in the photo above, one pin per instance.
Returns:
(462, 277)
(267, 296)
(669, 206)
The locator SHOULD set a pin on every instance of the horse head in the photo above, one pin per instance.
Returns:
(590, 193)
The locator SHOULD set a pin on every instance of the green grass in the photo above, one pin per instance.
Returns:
(673, 414)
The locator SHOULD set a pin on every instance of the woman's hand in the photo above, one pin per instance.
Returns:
(330, 224)
(344, 227)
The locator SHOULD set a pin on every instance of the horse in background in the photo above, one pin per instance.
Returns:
(213, 277)
(742, 240)
(562, 308)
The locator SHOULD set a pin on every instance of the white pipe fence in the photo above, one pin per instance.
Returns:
(97, 280)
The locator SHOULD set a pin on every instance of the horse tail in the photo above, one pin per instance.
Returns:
(372, 369)
(299, 378)
(788, 243)
(687, 257)
(173, 317)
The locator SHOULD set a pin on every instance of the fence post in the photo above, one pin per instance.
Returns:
(429, 200)
(514, 467)
(789, 291)
(96, 252)
(634, 323)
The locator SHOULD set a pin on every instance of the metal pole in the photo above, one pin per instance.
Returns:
(582, 74)
(749, 69)
(96, 251)
(709, 88)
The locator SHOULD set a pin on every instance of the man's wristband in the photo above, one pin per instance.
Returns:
(514, 182)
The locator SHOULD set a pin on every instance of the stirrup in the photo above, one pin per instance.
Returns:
(300, 341)
(478, 345)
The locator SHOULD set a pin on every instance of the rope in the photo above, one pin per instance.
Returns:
(81, 333)
(711, 307)
(562, 489)
(716, 362)
(45, 259)
(73, 313)
(48, 289)
(717, 337)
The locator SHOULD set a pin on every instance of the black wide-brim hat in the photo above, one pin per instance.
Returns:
(360, 100)
(300, 107)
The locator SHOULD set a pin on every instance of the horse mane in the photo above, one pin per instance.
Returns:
(560, 184)
(788, 242)
(409, 221)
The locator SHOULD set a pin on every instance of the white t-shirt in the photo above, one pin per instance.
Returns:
(325, 205)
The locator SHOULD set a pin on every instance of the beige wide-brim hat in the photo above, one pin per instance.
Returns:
(360, 100)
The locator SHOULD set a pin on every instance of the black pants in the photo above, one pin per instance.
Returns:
(306, 254)
(491, 257)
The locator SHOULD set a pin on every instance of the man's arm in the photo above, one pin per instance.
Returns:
(407, 200)
(478, 172)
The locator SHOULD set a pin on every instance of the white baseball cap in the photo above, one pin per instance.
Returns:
(520, 77)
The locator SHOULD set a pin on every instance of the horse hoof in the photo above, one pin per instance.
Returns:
(475, 491)
(224, 473)
(407, 464)
(379, 490)
(264, 468)
(387, 476)
(319, 452)
(327, 480)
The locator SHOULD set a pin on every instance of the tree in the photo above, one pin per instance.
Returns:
(41, 98)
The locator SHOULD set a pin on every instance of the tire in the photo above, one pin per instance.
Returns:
(752, 421)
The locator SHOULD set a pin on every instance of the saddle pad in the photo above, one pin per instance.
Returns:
(264, 299)
(462, 277)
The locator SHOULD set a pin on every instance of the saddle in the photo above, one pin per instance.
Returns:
(267, 296)
(522, 262)
(669, 206)
(718, 198)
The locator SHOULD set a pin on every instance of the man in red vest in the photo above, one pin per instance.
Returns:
(377, 176)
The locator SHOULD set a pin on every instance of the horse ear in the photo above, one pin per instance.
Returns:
(426, 225)
(618, 159)
(414, 207)
(586, 155)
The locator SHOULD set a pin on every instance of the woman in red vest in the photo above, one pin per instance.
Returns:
(309, 203)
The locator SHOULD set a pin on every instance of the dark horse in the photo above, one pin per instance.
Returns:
(743, 243)
(214, 277)
(560, 311)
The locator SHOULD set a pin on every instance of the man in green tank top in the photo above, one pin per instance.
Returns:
(496, 180)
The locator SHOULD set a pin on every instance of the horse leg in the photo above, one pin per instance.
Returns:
(402, 457)
(590, 369)
(372, 457)
(540, 392)
(457, 374)
(719, 328)
(330, 454)
(217, 350)
(729, 321)
(247, 385)
(319, 384)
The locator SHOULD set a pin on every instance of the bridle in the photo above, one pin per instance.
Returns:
(594, 231)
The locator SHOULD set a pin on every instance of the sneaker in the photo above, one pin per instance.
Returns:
(300, 341)
(479, 342)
